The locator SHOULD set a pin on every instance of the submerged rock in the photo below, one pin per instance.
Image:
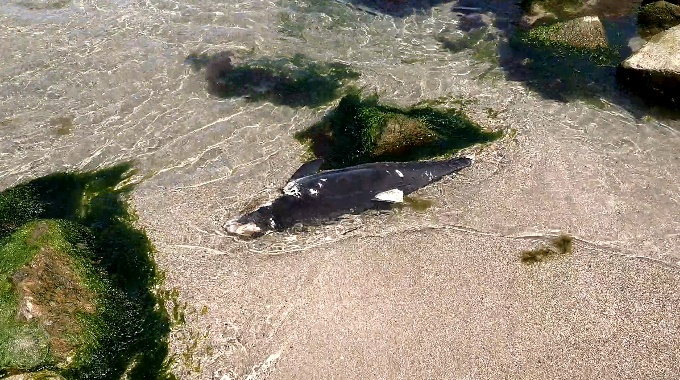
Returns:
(76, 279)
(537, 16)
(654, 70)
(52, 297)
(556, 8)
(362, 130)
(657, 17)
(582, 33)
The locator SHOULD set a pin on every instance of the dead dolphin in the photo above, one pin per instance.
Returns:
(311, 196)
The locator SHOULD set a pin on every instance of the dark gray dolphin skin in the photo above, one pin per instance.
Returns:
(311, 197)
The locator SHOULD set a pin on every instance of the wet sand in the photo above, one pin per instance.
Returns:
(434, 294)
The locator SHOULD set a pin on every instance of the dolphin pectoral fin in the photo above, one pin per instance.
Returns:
(308, 168)
(392, 196)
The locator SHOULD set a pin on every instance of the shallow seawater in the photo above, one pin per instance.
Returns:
(86, 85)
(118, 73)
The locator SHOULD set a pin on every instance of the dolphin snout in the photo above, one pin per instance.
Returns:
(235, 227)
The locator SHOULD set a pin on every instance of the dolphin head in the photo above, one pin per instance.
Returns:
(253, 224)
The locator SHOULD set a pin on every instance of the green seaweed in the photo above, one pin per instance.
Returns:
(62, 125)
(361, 130)
(296, 81)
(561, 245)
(129, 336)
(178, 311)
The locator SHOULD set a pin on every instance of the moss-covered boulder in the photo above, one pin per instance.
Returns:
(654, 70)
(55, 305)
(581, 33)
(77, 281)
(362, 130)
(658, 16)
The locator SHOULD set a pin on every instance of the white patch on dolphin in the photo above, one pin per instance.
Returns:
(313, 192)
(429, 175)
(392, 196)
(399, 173)
(292, 188)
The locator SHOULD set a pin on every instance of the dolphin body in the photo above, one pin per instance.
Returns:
(311, 197)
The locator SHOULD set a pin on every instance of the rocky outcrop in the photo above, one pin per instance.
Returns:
(657, 17)
(654, 70)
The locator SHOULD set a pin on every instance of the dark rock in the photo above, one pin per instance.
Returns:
(657, 17)
(474, 21)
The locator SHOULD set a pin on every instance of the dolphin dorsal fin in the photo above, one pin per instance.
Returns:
(308, 168)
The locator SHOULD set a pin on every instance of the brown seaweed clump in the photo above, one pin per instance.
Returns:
(561, 245)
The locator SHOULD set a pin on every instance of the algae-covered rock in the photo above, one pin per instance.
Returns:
(53, 299)
(402, 134)
(657, 17)
(582, 33)
(362, 130)
(654, 70)
(76, 282)
(566, 60)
